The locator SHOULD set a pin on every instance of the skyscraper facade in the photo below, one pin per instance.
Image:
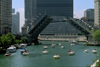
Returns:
(55, 7)
(58, 9)
(97, 13)
(5, 16)
(30, 12)
(15, 22)
(89, 13)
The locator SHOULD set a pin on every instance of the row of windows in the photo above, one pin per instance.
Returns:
(55, 5)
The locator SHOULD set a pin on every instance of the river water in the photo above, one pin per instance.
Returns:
(37, 59)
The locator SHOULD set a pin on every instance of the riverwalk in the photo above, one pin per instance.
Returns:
(63, 38)
(95, 63)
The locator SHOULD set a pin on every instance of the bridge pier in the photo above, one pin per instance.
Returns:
(36, 42)
(31, 40)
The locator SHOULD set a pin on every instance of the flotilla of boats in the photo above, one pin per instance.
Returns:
(25, 52)
(12, 49)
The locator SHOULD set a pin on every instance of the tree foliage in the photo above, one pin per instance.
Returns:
(96, 35)
(11, 38)
(24, 39)
(7, 39)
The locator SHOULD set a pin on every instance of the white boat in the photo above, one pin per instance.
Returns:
(72, 44)
(74, 41)
(22, 45)
(53, 44)
(86, 51)
(22, 50)
(62, 47)
(59, 43)
(25, 53)
(94, 51)
(56, 56)
(71, 53)
(7, 54)
(44, 51)
(11, 49)
(45, 47)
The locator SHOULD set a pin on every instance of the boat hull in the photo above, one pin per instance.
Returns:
(56, 56)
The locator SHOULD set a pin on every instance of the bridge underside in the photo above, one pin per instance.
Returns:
(38, 28)
(77, 25)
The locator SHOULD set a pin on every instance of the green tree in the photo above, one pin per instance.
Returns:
(4, 40)
(24, 39)
(96, 35)
(18, 41)
(92, 30)
(11, 38)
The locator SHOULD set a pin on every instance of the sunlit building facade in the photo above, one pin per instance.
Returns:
(97, 13)
(89, 13)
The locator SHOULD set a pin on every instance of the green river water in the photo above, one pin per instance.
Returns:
(37, 59)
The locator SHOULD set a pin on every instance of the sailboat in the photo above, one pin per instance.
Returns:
(45, 47)
(56, 56)
(53, 44)
(70, 52)
(94, 50)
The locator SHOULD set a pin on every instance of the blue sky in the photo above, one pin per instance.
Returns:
(79, 6)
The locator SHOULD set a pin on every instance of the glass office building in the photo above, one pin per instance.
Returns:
(34, 9)
(55, 7)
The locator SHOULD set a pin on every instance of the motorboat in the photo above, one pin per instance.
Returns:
(7, 54)
(62, 47)
(59, 43)
(25, 53)
(72, 44)
(45, 47)
(56, 56)
(86, 51)
(94, 51)
(22, 50)
(74, 41)
(22, 45)
(53, 45)
(11, 49)
(44, 51)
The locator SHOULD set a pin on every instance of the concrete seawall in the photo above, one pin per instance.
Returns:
(55, 38)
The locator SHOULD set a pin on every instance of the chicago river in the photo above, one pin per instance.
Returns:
(37, 59)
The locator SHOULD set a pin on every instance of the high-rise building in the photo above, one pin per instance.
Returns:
(34, 8)
(97, 13)
(15, 22)
(58, 9)
(89, 13)
(13, 10)
(55, 7)
(5, 16)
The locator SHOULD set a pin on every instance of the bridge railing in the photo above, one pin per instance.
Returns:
(81, 25)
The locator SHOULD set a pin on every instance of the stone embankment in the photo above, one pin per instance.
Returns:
(94, 65)
(64, 38)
